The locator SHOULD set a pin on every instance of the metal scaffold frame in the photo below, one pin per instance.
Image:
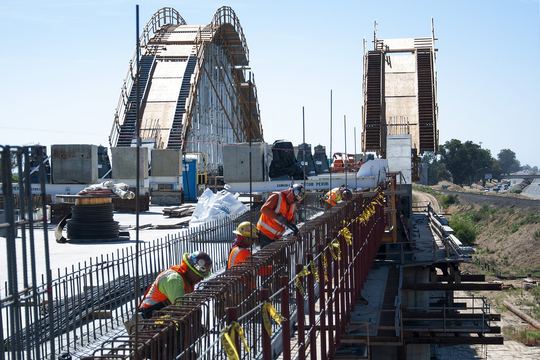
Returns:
(221, 105)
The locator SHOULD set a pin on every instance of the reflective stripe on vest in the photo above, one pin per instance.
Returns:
(334, 197)
(154, 296)
(235, 252)
(272, 227)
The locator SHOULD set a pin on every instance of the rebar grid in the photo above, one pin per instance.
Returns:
(65, 310)
(196, 328)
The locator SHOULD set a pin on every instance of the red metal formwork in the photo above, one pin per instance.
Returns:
(333, 253)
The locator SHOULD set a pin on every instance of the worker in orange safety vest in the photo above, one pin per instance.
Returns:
(331, 198)
(173, 283)
(241, 252)
(241, 248)
(278, 213)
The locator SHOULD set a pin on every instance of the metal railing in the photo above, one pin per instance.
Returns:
(326, 265)
(42, 316)
(226, 15)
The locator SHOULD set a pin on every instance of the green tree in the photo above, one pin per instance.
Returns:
(436, 170)
(444, 175)
(466, 161)
(507, 161)
(496, 170)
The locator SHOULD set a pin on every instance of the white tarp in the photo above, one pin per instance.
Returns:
(371, 173)
(211, 207)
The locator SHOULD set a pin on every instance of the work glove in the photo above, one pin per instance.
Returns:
(293, 227)
(282, 219)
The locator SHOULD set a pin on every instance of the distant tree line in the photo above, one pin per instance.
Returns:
(465, 163)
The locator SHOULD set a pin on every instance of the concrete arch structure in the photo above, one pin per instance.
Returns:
(196, 89)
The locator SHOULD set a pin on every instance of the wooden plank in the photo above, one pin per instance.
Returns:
(454, 329)
(93, 201)
(486, 340)
(457, 316)
(473, 277)
(454, 287)
(173, 226)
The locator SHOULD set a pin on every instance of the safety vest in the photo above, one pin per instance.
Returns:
(272, 227)
(237, 255)
(153, 296)
(334, 196)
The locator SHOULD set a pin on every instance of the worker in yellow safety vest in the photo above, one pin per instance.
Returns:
(331, 198)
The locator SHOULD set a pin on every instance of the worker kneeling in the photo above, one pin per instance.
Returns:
(331, 198)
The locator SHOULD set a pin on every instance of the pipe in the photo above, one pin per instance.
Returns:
(522, 315)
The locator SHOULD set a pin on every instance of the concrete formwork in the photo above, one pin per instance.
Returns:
(400, 94)
(398, 153)
(166, 162)
(236, 163)
(74, 164)
(124, 163)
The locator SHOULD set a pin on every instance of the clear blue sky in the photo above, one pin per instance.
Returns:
(63, 62)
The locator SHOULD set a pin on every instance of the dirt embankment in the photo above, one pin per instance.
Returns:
(499, 201)
(508, 239)
(507, 242)
(421, 199)
(507, 228)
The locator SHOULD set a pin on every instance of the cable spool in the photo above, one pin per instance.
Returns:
(92, 222)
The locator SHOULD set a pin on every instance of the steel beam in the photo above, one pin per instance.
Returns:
(453, 287)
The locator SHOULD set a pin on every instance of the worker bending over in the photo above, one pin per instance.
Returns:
(278, 212)
(331, 198)
(173, 283)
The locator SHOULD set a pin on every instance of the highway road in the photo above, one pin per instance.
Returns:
(533, 190)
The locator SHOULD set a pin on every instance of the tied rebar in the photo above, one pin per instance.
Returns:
(193, 327)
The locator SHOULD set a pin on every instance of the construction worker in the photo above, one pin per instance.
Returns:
(331, 198)
(173, 283)
(278, 212)
(245, 233)
(240, 254)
